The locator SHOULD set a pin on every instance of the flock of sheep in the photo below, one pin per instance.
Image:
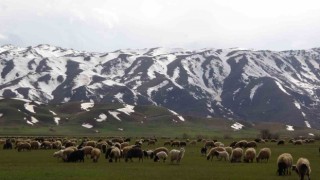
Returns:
(119, 148)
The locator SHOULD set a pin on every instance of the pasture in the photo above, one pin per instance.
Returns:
(39, 164)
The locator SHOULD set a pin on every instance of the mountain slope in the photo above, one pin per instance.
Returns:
(229, 83)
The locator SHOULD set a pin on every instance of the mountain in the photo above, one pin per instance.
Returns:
(251, 85)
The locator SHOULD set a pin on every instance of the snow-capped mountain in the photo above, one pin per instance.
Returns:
(231, 83)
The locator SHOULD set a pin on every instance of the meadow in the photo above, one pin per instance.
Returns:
(39, 164)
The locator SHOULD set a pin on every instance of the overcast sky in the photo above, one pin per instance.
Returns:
(107, 25)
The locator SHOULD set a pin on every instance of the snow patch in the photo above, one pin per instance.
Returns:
(307, 124)
(176, 114)
(119, 96)
(311, 134)
(102, 117)
(297, 104)
(87, 125)
(289, 128)
(86, 106)
(254, 89)
(155, 88)
(128, 109)
(29, 107)
(120, 129)
(56, 120)
(237, 126)
(281, 88)
(115, 114)
(53, 113)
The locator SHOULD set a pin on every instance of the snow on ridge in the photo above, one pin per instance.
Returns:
(281, 87)
(254, 89)
(128, 109)
(102, 117)
(115, 115)
(297, 104)
(311, 134)
(87, 125)
(176, 114)
(56, 120)
(86, 106)
(307, 124)
(53, 113)
(155, 88)
(29, 107)
(237, 126)
(119, 96)
(289, 128)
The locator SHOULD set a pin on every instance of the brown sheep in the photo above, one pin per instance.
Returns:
(251, 144)
(24, 146)
(264, 153)
(90, 143)
(95, 154)
(87, 150)
(249, 155)
(151, 142)
(35, 145)
(236, 155)
(284, 163)
(241, 144)
(167, 143)
(212, 151)
(302, 168)
(298, 142)
(193, 142)
(209, 144)
(175, 143)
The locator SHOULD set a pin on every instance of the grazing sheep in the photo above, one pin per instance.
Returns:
(212, 150)
(35, 145)
(280, 142)
(69, 144)
(95, 154)
(264, 153)
(236, 155)
(76, 156)
(126, 149)
(203, 151)
(229, 150)
(167, 143)
(284, 163)
(175, 143)
(113, 152)
(193, 142)
(222, 154)
(176, 155)
(159, 149)
(241, 144)
(251, 144)
(148, 153)
(68, 151)
(134, 152)
(58, 154)
(119, 140)
(218, 144)
(124, 144)
(249, 155)
(46, 145)
(302, 168)
(7, 144)
(87, 150)
(56, 145)
(160, 155)
(183, 144)
(298, 142)
(209, 144)
(151, 142)
(24, 146)
(90, 143)
(233, 144)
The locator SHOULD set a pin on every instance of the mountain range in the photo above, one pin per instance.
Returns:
(234, 84)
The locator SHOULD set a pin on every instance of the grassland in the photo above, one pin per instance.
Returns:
(39, 164)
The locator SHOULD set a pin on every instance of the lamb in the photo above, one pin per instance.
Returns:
(236, 155)
(264, 153)
(249, 155)
(222, 154)
(302, 168)
(212, 150)
(284, 164)
(160, 155)
(176, 155)
(95, 154)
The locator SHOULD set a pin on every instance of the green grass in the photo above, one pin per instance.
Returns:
(39, 164)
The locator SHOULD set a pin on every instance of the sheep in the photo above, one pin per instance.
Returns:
(35, 145)
(203, 151)
(175, 143)
(284, 163)
(152, 142)
(233, 144)
(159, 149)
(251, 144)
(264, 153)
(182, 144)
(119, 140)
(302, 168)
(7, 144)
(24, 146)
(76, 156)
(222, 154)
(95, 154)
(160, 155)
(46, 145)
(209, 144)
(167, 143)
(193, 142)
(229, 150)
(126, 149)
(124, 144)
(218, 144)
(148, 153)
(90, 143)
(56, 145)
(280, 142)
(113, 152)
(298, 142)
(241, 144)
(134, 152)
(176, 155)
(118, 145)
(68, 151)
(249, 155)
(212, 150)
(87, 150)
(236, 155)
(58, 154)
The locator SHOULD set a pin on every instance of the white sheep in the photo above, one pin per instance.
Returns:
(212, 151)
(58, 154)
(302, 168)
(284, 163)
(236, 155)
(229, 150)
(222, 154)
(249, 155)
(264, 153)
(95, 154)
(176, 155)
(160, 155)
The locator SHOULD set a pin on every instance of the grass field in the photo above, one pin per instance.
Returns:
(39, 164)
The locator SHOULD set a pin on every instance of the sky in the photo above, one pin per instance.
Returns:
(107, 25)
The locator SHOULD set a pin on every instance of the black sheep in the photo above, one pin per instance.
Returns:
(76, 156)
(135, 152)
(203, 151)
(8, 144)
